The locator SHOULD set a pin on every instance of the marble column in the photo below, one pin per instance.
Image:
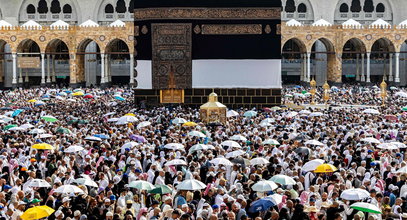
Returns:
(368, 67)
(14, 81)
(308, 66)
(357, 68)
(362, 77)
(102, 71)
(397, 77)
(390, 67)
(48, 68)
(42, 68)
(53, 69)
(131, 68)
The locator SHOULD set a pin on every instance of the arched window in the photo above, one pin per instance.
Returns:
(42, 7)
(302, 8)
(121, 6)
(109, 9)
(344, 8)
(131, 6)
(30, 9)
(67, 9)
(380, 8)
(55, 7)
(368, 7)
(355, 7)
(290, 6)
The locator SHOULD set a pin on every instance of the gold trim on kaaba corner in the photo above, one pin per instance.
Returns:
(231, 29)
(207, 13)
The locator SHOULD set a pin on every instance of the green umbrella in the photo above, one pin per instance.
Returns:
(72, 122)
(283, 180)
(366, 207)
(9, 126)
(49, 118)
(82, 122)
(304, 91)
(161, 189)
(141, 185)
(404, 108)
(62, 130)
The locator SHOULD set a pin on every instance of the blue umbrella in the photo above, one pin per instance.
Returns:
(16, 112)
(101, 136)
(265, 203)
(297, 87)
(67, 91)
(46, 96)
(119, 98)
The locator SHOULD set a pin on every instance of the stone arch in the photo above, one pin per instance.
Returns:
(57, 51)
(53, 44)
(35, 14)
(67, 9)
(42, 7)
(302, 8)
(121, 6)
(353, 56)
(118, 61)
(368, 6)
(356, 6)
(382, 51)
(55, 7)
(109, 9)
(120, 11)
(88, 57)
(24, 45)
(131, 6)
(344, 8)
(323, 52)
(5, 76)
(357, 42)
(29, 48)
(290, 6)
(293, 61)
(380, 8)
(384, 43)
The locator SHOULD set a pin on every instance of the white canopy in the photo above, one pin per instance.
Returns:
(89, 23)
(117, 23)
(402, 24)
(293, 22)
(4, 23)
(351, 24)
(321, 22)
(60, 24)
(379, 23)
(31, 25)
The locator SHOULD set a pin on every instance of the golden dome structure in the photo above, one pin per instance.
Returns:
(213, 111)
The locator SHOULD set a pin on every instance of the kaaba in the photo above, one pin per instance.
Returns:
(230, 47)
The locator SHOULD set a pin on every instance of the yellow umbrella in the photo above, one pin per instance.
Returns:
(43, 146)
(325, 168)
(130, 114)
(190, 124)
(37, 212)
(78, 94)
(32, 100)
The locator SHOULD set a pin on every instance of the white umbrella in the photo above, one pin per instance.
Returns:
(68, 189)
(178, 121)
(143, 124)
(312, 165)
(112, 119)
(222, 161)
(92, 138)
(45, 136)
(314, 142)
(399, 144)
(231, 113)
(271, 142)
(73, 149)
(5, 118)
(26, 126)
(17, 129)
(174, 146)
(291, 114)
(401, 94)
(126, 120)
(37, 131)
(259, 161)
(109, 114)
(387, 146)
(86, 182)
(141, 185)
(39, 183)
(265, 124)
(283, 180)
(196, 134)
(268, 120)
(370, 140)
(305, 112)
(264, 186)
(198, 147)
(130, 145)
(235, 153)
(231, 144)
(371, 111)
(176, 162)
(366, 207)
(238, 137)
(355, 194)
(316, 114)
(191, 185)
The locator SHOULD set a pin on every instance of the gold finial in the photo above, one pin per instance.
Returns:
(313, 83)
(326, 85)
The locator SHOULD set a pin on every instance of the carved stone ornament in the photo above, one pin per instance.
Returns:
(102, 38)
(13, 38)
(205, 13)
(231, 29)
(267, 29)
(397, 37)
(197, 29)
(144, 29)
(42, 38)
(309, 37)
(368, 37)
(130, 37)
